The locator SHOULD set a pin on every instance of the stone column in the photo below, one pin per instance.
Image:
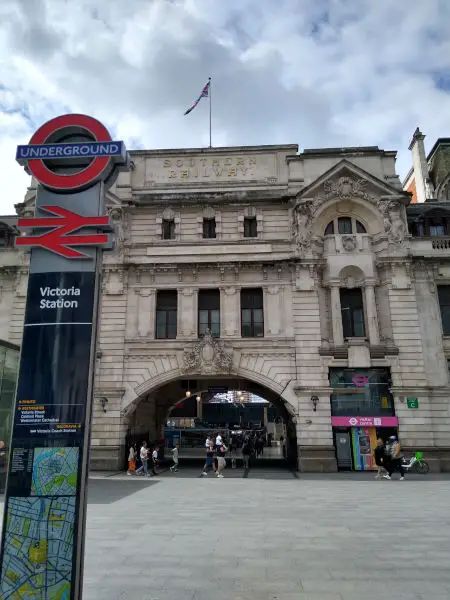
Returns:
(146, 313)
(371, 312)
(336, 315)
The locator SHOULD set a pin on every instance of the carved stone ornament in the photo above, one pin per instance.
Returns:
(208, 355)
(344, 188)
(302, 228)
(349, 243)
(115, 212)
(116, 215)
(393, 223)
(25, 211)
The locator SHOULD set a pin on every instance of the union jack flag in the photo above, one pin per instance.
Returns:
(204, 94)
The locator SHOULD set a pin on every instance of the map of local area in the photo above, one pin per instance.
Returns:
(37, 562)
(38, 552)
(54, 472)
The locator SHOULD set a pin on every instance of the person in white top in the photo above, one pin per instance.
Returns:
(131, 461)
(144, 458)
(219, 441)
(208, 441)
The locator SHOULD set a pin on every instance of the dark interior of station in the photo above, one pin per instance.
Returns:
(186, 411)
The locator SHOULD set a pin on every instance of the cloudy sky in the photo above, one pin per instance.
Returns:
(313, 72)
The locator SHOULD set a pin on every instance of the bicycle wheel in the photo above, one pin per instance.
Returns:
(421, 467)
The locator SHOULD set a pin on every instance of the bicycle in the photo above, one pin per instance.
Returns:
(416, 464)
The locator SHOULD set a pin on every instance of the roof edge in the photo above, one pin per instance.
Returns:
(216, 149)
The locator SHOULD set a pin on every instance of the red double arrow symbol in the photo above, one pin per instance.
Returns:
(60, 239)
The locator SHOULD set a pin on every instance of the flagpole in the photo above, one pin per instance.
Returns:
(210, 142)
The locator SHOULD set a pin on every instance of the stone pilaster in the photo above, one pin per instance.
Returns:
(230, 311)
(146, 312)
(187, 312)
(371, 313)
(336, 315)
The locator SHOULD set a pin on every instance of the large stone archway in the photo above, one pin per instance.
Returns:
(209, 358)
(147, 415)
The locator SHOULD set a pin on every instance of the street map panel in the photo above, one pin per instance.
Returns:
(37, 562)
(54, 472)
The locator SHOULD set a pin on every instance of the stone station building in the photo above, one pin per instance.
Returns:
(304, 277)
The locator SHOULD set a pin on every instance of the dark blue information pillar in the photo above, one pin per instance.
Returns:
(43, 526)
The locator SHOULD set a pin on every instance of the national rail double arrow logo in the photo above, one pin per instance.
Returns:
(60, 238)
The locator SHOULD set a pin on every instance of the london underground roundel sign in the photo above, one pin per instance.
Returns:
(49, 153)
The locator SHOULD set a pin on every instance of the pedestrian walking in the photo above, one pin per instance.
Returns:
(232, 449)
(246, 452)
(221, 461)
(259, 447)
(155, 459)
(209, 463)
(143, 454)
(174, 467)
(131, 461)
(396, 459)
(380, 458)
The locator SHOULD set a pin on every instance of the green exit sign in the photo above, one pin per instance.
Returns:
(412, 402)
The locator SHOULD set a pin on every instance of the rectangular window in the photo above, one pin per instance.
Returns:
(209, 229)
(344, 225)
(166, 314)
(444, 305)
(250, 227)
(438, 226)
(168, 229)
(252, 313)
(209, 312)
(352, 309)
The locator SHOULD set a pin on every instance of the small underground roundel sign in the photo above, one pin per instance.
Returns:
(72, 152)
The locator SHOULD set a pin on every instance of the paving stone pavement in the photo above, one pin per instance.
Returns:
(268, 537)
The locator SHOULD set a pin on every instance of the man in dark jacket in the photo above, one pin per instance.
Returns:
(247, 450)
(381, 458)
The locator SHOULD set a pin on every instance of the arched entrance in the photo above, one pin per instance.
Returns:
(187, 408)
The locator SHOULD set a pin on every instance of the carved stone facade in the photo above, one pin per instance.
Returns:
(297, 268)
(208, 356)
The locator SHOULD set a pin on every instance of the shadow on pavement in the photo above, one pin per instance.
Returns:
(107, 491)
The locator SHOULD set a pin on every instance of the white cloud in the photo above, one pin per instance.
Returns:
(316, 72)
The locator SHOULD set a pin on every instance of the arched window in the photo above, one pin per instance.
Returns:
(329, 230)
(344, 225)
